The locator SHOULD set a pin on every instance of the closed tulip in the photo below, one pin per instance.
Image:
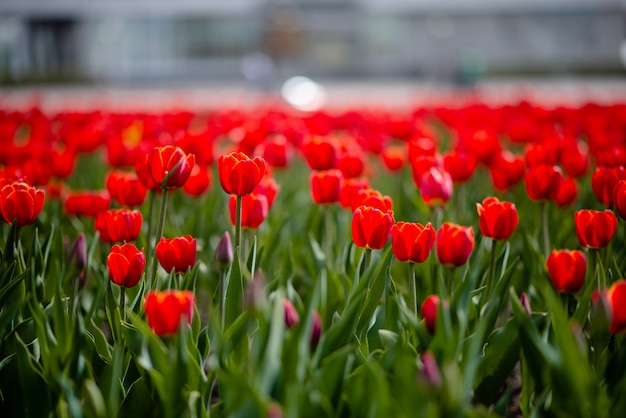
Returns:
(320, 153)
(460, 165)
(595, 229)
(619, 198)
(568, 192)
(177, 254)
(126, 264)
(567, 269)
(349, 189)
(20, 202)
(603, 182)
(506, 170)
(118, 225)
(126, 188)
(455, 244)
(373, 198)
(254, 209)
(166, 310)
(497, 220)
(240, 174)
(543, 182)
(616, 296)
(199, 181)
(371, 227)
(436, 186)
(87, 203)
(325, 186)
(412, 242)
(429, 312)
(169, 166)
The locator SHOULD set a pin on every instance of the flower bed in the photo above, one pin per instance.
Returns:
(431, 261)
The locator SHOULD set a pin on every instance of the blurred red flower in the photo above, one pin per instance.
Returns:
(595, 229)
(455, 244)
(497, 220)
(166, 310)
(178, 254)
(118, 225)
(325, 186)
(567, 269)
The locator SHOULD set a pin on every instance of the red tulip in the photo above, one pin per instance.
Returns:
(604, 180)
(575, 159)
(543, 182)
(178, 254)
(455, 244)
(373, 198)
(394, 157)
(169, 166)
(349, 189)
(277, 152)
(125, 264)
(595, 229)
(497, 220)
(118, 225)
(506, 170)
(20, 202)
(616, 296)
(240, 174)
(460, 165)
(126, 188)
(143, 173)
(320, 153)
(412, 242)
(269, 188)
(371, 227)
(351, 165)
(619, 198)
(87, 203)
(325, 186)
(567, 269)
(436, 186)
(199, 181)
(429, 312)
(166, 310)
(254, 209)
(568, 191)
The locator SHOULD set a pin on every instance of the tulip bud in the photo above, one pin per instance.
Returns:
(316, 331)
(291, 315)
(223, 255)
(77, 254)
(525, 303)
(430, 372)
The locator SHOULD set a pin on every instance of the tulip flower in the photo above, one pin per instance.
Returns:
(575, 159)
(373, 198)
(291, 314)
(254, 209)
(268, 187)
(603, 182)
(118, 225)
(497, 220)
(125, 264)
(506, 170)
(240, 174)
(594, 229)
(169, 166)
(568, 191)
(429, 309)
(325, 186)
(320, 153)
(460, 165)
(176, 254)
(223, 255)
(20, 202)
(616, 295)
(126, 188)
(412, 242)
(394, 157)
(87, 203)
(436, 186)
(199, 181)
(567, 269)
(455, 244)
(619, 198)
(166, 310)
(351, 165)
(371, 227)
(349, 189)
(543, 182)
(277, 152)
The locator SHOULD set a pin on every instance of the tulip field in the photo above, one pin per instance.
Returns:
(460, 260)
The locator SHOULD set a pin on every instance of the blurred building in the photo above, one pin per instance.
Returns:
(132, 41)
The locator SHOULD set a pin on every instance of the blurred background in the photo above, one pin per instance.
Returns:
(262, 43)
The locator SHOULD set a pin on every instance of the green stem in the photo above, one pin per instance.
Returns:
(238, 227)
(157, 237)
(492, 273)
(367, 259)
(412, 287)
(222, 302)
(328, 239)
(123, 302)
(544, 228)
(149, 244)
